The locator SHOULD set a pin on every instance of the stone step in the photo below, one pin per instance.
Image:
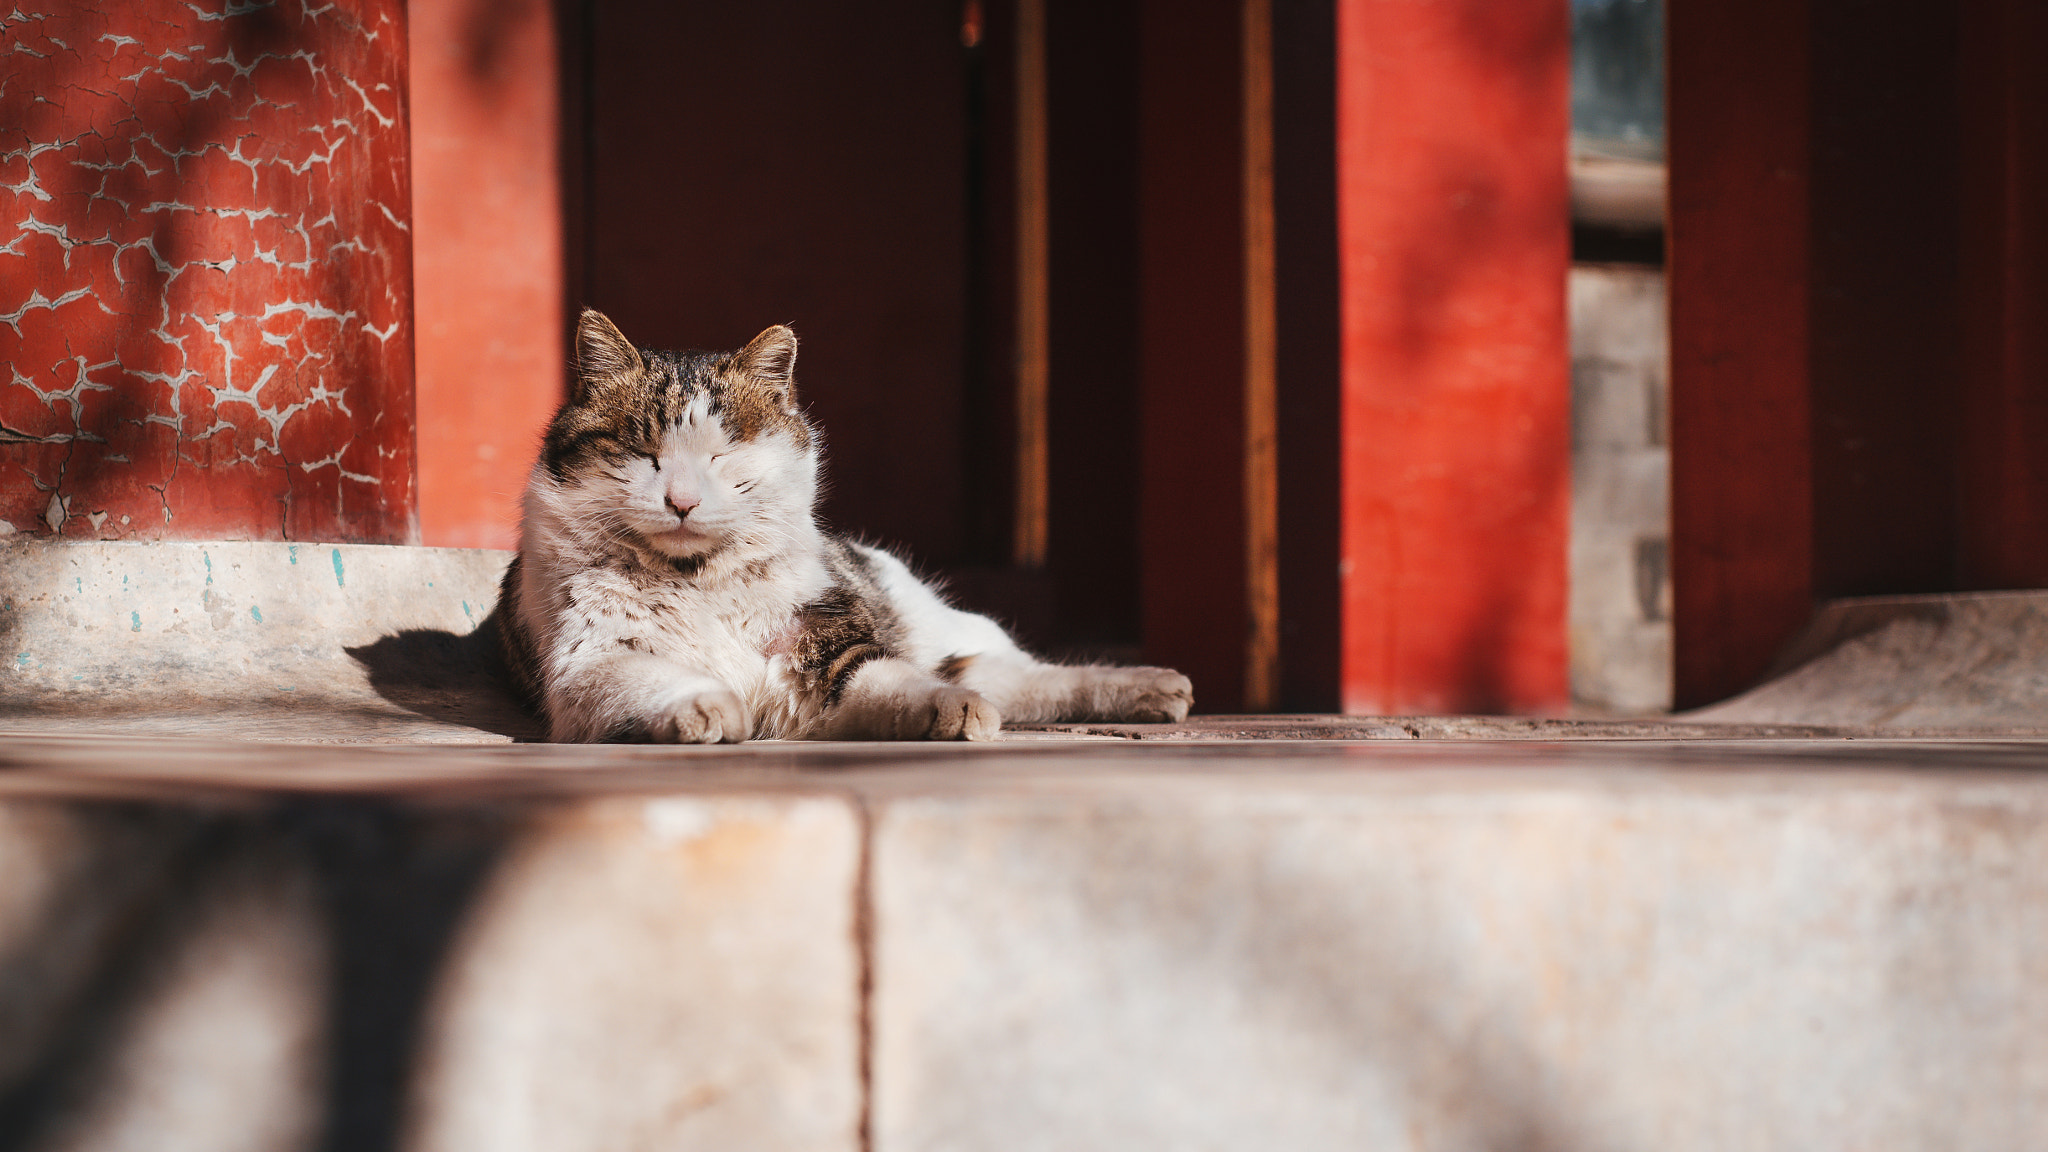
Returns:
(1965, 659)
(371, 644)
(1094, 945)
(326, 642)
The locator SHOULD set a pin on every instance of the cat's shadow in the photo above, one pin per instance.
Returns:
(453, 679)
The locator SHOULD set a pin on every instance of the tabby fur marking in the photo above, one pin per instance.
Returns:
(673, 583)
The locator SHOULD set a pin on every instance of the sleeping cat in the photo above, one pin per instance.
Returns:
(673, 584)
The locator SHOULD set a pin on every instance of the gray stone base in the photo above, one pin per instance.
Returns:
(1092, 946)
(315, 642)
(1960, 660)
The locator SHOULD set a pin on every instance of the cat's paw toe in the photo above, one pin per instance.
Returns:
(705, 718)
(1158, 696)
(961, 714)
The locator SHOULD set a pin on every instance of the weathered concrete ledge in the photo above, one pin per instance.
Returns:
(1106, 945)
(353, 643)
(1977, 659)
(320, 642)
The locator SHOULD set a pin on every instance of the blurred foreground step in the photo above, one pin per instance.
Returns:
(268, 973)
(1693, 945)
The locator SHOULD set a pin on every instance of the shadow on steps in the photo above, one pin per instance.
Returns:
(449, 678)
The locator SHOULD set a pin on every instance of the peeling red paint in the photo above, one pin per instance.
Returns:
(205, 284)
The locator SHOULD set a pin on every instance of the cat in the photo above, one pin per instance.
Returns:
(673, 583)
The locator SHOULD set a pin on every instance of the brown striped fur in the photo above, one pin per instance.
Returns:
(623, 399)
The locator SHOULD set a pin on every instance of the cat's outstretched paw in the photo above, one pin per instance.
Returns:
(1153, 695)
(714, 717)
(950, 712)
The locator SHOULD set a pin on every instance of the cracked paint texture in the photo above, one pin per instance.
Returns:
(205, 270)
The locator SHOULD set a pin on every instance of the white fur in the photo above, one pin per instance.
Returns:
(1023, 688)
(719, 666)
(712, 634)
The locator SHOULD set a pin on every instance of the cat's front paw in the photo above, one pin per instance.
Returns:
(1153, 695)
(712, 717)
(950, 712)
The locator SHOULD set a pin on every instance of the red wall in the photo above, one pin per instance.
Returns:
(2003, 295)
(1741, 415)
(488, 259)
(1456, 404)
(1191, 345)
(1859, 372)
(206, 273)
(1093, 407)
(786, 162)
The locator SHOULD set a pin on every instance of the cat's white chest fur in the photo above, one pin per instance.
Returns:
(743, 636)
(738, 633)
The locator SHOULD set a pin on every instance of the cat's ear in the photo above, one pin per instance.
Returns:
(603, 354)
(770, 359)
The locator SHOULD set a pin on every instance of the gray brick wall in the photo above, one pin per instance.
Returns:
(1621, 481)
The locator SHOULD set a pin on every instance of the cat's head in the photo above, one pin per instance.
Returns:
(687, 453)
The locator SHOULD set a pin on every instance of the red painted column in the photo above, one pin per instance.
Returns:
(1742, 487)
(1456, 454)
(206, 271)
(487, 258)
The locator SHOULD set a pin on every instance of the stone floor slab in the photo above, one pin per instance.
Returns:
(670, 972)
(261, 969)
(1673, 960)
(1085, 944)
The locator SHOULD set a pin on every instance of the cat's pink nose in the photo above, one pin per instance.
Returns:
(682, 505)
